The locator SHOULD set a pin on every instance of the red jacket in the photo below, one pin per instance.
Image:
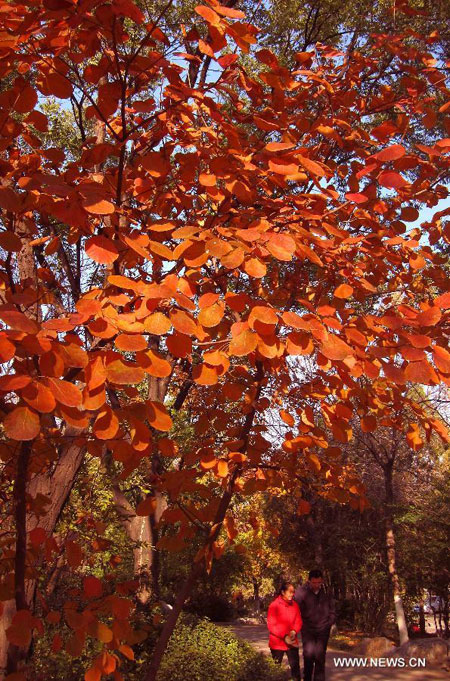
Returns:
(282, 618)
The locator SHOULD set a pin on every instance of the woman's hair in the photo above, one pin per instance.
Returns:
(283, 586)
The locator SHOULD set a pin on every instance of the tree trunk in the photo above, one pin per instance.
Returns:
(56, 486)
(139, 530)
(391, 557)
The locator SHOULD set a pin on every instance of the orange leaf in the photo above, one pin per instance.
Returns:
(255, 268)
(313, 167)
(281, 246)
(18, 321)
(157, 324)
(14, 382)
(183, 323)
(443, 301)
(211, 316)
(208, 15)
(22, 424)
(441, 358)
(334, 348)
(93, 674)
(158, 416)
(281, 167)
(98, 206)
(154, 364)
(296, 321)
(202, 374)
(279, 146)
(207, 180)
(343, 291)
(127, 651)
(287, 417)
(39, 397)
(130, 343)
(65, 392)
(299, 344)
(106, 424)
(421, 372)
(222, 468)
(243, 344)
(124, 374)
(102, 250)
(429, 317)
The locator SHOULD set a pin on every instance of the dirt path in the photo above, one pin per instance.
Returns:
(257, 636)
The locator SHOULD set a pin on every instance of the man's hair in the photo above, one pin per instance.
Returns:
(315, 574)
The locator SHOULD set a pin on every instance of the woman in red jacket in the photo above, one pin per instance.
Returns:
(284, 623)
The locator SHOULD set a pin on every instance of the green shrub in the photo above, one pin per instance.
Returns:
(205, 651)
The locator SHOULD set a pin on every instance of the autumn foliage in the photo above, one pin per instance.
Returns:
(214, 230)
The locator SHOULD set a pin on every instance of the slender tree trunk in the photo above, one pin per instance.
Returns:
(391, 556)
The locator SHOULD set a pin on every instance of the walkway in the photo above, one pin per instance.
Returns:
(256, 634)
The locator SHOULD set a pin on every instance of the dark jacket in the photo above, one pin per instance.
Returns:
(317, 610)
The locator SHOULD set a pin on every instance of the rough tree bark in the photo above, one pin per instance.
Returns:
(56, 486)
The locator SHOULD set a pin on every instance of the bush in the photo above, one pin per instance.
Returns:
(205, 651)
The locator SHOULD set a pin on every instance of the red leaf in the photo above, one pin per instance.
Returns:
(10, 242)
(390, 153)
(391, 180)
(26, 101)
(146, 507)
(7, 349)
(92, 587)
(102, 250)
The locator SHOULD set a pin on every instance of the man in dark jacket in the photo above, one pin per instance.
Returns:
(318, 615)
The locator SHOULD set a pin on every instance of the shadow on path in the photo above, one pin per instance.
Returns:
(257, 636)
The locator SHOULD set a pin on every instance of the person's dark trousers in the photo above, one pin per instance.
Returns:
(293, 659)
(314, 649)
